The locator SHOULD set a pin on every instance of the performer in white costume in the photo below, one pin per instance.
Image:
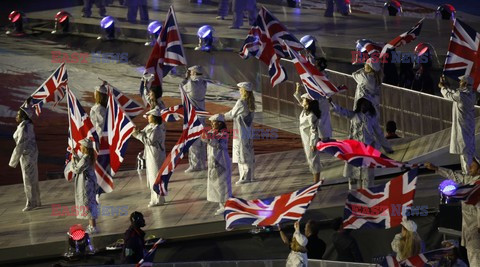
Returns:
(242, 115)
(99, 111)
(26, 153)
(298, 245)
(153, 137)
(369, 82)
(196, 88)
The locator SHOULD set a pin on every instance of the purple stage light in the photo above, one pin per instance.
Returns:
(154, 27)
(307, 40)
(106, 22)
(204, 31)
(447, 187)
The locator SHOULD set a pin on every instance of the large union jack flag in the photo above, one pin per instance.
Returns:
(403, 38)
(266, 41)
(113, 143)
(314, 81)
(463, 56)
(131, 107)
(167, 52)
(382, 206)
(269, 211)
(81, 127)
(419, 260)
(52, 90)
(192, 130)
(359, 154)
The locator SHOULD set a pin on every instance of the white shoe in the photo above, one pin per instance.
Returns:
(28, 208)
(92, 230)
(239, 182)
(220, 211)
(189, 170)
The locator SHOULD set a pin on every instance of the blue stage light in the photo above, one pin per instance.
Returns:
(154, 27)
(108, 24)
(447, 187)
(309, 42)
(205, 38)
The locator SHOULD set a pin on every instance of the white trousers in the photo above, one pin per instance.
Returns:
(156, 199)
(465, 161)
(245, 171)
(359, 177)
(473, 257)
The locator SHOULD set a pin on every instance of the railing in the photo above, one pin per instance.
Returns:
(414, 112)
(259, 263)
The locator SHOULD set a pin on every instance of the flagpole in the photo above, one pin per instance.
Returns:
(70, 126)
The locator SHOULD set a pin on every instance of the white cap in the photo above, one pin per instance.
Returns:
(411, 226)
(307, 96)
(217, 117)
(245, 85)
(101, 89)
(157, 112)
(467, 79)
(28, 110)
(86, 143)
(197, 69)
(374, 65)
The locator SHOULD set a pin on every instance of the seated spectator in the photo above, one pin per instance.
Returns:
(315, 246)
(391, 128)
(408, 243)
(452, 259)
(134, 247)
(344, 244)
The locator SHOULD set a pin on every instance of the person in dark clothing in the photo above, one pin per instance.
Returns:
(133, 6)
(315, 246)
(390, 70)
(406, 75)
(391, 128)
(344, 244)
(87, 8)
(134, 247)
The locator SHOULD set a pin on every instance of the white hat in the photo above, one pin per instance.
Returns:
(467, 79)
(28, 110)
(157, 112)
(86, 143)
(197, 69)
(411, 226)
(307, 96)
(245, 85)
(217, 117)
(374, 65)
(101, 89)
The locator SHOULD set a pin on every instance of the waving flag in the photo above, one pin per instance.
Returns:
(113, 143)
(81, 127)
(269, 211)
(167, 51)
(147, 260)
(419, 260)
(316, 83)
(463, 56)
(403, 38)
(382, 206)
(369, 47)
(267, 40)
(175, 113)
(359, 154)
(131, 107)
(52, 90)
(470, 193)
(192, 130)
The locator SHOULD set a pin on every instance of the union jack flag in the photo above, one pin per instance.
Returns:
(147, 260)
(470, 193)
(382, 206)
(369, 47)
(192, 130)
(267, 41)
(175, 113)
(113, 143)
(131, 107)
(419, 260)
(316, 83)
(52, 90)
(463, 56)
(359, 154)
(269, 211)
(81, 127)
(167, 51)
(403, 38)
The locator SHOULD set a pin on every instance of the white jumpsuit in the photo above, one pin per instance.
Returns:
(26, 152)
(85, 184)
(363, 128)
(309, 133)
(295, 258)
(153, 137)
(242, 147)
(98, 114)
(324, 123)
(462, 139)
(470, 217)
(219, 183)
(367, 87)
(196, 90)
